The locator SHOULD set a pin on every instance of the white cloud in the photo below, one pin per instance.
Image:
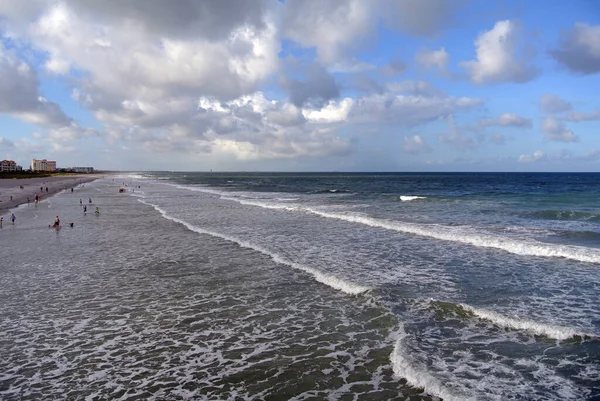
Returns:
(576, 116)
(555, 131)
(415, 144)
(497, 57)
(537, 155)
(408, 110)
(333, 27)
(332, 112)
(506, 120)
(579, 49)
(433, 58)
(330, 26)
(540, 156)
(20, 96)
(551, 103)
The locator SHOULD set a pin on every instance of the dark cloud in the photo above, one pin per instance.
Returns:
(210, 19)
(579, 49)
(422, 17)
(395, 67)
(318, 87)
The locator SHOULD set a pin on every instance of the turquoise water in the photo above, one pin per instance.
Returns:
(307, 286)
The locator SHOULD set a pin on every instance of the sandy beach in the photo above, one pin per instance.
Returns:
(32, 187)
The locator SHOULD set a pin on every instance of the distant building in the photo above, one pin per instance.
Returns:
(8, 165)
(43, 165)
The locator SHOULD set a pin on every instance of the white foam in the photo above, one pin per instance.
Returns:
(468, 236)
(557, 332)
(332, 281)
(404, 366)
(409, 198)
(462, 234)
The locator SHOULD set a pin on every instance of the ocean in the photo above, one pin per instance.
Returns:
(305, 286)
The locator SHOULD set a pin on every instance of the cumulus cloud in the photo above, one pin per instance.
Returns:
(330, 26)
(415, 144)
(579, 49)
(551, 103)
(130, 57)
(555, 131)
(184, 77)
(433, 58)
(498, 57)
(318, 88)
(20, 96)
(537, 155)
(333, 27)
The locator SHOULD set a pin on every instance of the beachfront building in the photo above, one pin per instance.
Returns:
(8, 165)
(43, 165)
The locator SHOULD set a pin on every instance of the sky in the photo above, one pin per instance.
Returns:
(302, 85)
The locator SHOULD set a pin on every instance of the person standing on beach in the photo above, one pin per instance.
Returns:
(1, 221)
(13, 218)
(80, 202)
(84, 209)
(46, 189)
(56, 222)
(90, 201)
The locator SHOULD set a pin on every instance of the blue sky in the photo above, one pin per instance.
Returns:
(305, 85)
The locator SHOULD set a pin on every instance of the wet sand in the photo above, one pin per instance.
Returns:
(31, 187)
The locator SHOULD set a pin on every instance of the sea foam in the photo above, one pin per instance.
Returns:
(463, 234)
(541, 329)
(327, 279)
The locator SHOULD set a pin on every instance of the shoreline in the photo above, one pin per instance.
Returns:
(31, 187)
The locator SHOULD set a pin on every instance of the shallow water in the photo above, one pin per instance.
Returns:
(250, 286)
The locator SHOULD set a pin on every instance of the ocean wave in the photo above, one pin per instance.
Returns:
(418, 376)
(327, 279)
(466, 311)
(560, 333)
(330, 191)
(462, 234)
(563, 215)
(408, 198)
(471, 237)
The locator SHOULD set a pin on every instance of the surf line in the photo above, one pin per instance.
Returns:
(480, 240)
(329, 280)
(418, 376)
